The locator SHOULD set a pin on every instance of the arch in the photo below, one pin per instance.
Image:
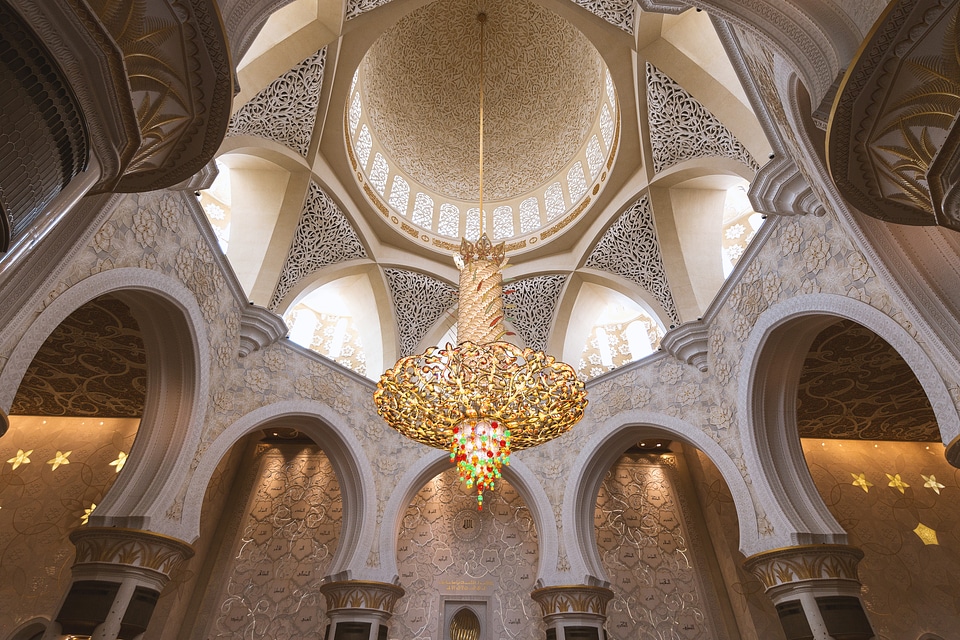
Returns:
(175, 340)
(608, 441)
(329, 431)
(566, 304)
(31, 629)
(818, 38)
(767, 390)
(518, 474)
(382, 301)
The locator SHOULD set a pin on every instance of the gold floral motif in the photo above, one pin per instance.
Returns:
(805, 563)
(361, 594)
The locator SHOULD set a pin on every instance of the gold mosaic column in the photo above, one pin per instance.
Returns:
(359, 609)
(117, 577)
(573, 611)
(815, 589)
(480, 311)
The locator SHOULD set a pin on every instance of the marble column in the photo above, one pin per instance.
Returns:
(116, 579)
(816, 591)
(359, 609)
(574, 612)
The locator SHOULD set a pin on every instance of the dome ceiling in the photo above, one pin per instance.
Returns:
(543, 88)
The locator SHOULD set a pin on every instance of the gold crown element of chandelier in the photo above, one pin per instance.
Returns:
(483, 398)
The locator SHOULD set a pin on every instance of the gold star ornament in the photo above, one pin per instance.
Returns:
(860, 480)
(925, 533)
(930, 482)
(22, 457)
(897, 483)
(59, 459)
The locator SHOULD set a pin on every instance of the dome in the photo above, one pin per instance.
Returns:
(549, 108)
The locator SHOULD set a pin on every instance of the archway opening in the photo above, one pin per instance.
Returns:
(270, 527)
(450, 556)
(665, 531)
(872, 445)
(73, 423)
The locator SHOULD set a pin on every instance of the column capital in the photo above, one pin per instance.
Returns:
(573, 599)
(150, 553)
(805, 563)
(361, 594)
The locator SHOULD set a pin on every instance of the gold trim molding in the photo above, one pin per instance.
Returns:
(131, 547)
(361, 594)
(805, 563)
(572, 599)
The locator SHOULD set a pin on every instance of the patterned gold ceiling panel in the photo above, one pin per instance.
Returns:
(543, 88)
(93, 364)
(856, 386)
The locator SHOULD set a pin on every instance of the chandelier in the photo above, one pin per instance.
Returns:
(483, 398)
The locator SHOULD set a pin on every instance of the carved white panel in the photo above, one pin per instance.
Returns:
(553, 198)
(606, 126)
(619, 13)
(399, 194)
(449, 224)
(418, 302)
(594, 157)
(323, 237)
(529, 214)
(423, 211)
(534, 301)
(576, 182)
(286, 110)
(681, 128)
(503, 222)
(358, 7)
(378, 173)
(363, 146)
(630, 249)
(355, 111)
(473, 225)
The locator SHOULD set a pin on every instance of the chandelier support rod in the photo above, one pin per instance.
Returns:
(481, 18)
